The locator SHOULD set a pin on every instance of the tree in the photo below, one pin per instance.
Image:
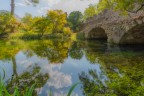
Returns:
(121, 5)
(27, 21)
(7, 22)
(75, 19)
(12, 7)
(124, 6)
(42, 25)
(57, 19)
(27, 18)
(54, 22)
(90, 11)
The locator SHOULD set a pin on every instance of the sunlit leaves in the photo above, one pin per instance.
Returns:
(120, 5)
(57, 19)
(90, 11)
(7, 22)
(123, 6)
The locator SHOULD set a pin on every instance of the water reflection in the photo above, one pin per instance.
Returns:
(75, 51)
(58, 64)
(55, 51)
(122, 73)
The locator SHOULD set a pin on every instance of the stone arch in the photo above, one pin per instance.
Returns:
(135, 35)
(97, 33)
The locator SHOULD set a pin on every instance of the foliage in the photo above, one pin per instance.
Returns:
(53, 23)
(27, 21)
(42, 25)
(75, 19)
(57, 20)
(90, 11)
(7, 23)
(122, 5)
(119, 76)
(4, 91)
(72, 88)
(67, 31)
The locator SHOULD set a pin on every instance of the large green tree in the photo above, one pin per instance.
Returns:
(121, 5)
(57, 19)
(7, 22)
(75, 19)
(90, 11)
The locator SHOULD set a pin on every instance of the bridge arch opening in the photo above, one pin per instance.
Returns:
(97, 33)
(134, 36)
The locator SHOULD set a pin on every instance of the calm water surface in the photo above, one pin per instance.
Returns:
(55, 65)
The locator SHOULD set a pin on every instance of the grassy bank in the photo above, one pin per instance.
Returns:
(34, 36)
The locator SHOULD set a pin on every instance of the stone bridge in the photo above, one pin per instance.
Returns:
(115, 28)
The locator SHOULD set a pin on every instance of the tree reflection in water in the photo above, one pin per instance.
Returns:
(121, 72)
(75, 51)
(55, 51)
(26, 79)
(124, 71)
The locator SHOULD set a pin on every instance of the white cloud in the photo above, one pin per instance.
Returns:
(20, 4)
(28, 2)
(59, 80)
(43, 10)
(73, 5)
(66, 5)
(52, 2)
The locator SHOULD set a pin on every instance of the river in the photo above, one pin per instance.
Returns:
(56, 65)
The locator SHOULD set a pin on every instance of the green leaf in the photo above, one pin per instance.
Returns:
(72, 88)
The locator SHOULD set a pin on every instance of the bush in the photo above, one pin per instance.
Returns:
(8, 23)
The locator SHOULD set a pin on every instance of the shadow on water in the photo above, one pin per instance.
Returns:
(134, 47)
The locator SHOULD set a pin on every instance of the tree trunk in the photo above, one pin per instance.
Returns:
(12, 7)
(15, 70)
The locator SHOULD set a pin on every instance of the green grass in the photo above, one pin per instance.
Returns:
(28, 91)
(16, 92)
(5, 92)
(35, 36)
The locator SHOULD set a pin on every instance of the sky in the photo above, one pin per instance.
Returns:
(66, 5)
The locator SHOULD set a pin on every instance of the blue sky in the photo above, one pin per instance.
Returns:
(66, 5)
